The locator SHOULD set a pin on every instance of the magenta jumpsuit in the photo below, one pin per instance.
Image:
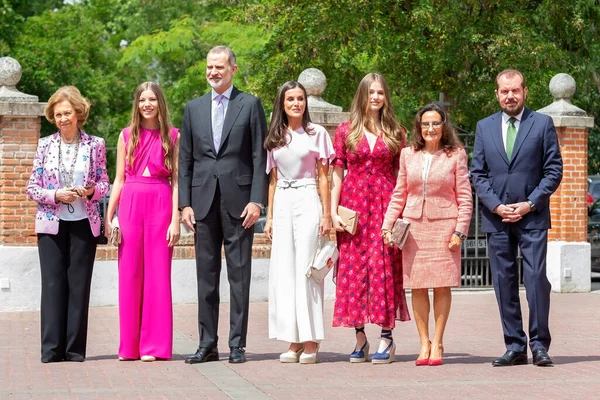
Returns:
(145, 210)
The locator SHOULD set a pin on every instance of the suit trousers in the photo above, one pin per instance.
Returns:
(145, 305)
(216, 230)
(66, 263)
(503, 248)
(295, 301)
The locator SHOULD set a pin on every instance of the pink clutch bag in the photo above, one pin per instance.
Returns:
(399, 233)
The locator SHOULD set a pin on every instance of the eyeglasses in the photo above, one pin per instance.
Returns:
(434, 124)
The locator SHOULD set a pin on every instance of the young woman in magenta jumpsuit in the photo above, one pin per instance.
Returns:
(145, 189)
(369, 276)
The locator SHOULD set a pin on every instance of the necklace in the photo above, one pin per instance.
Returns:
(67, 176)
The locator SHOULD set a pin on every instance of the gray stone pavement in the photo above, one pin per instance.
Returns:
(473, 338)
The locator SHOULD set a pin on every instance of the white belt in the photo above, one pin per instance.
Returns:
(296, 183)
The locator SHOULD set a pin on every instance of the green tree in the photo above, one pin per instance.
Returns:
(56, 51)
(431, 46)
(13, 14)
(176, 58)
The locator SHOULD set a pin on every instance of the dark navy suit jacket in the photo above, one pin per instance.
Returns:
(534, 172)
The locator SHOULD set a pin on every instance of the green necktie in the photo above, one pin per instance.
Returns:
(511, 135)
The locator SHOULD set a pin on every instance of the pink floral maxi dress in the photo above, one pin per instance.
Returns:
(369, 285)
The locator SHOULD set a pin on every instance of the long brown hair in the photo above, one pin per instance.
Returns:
(278, 133)
(360, 116)
(163, 122)
(449, 140)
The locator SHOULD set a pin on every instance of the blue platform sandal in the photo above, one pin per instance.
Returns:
(388, 355)
(362, 355)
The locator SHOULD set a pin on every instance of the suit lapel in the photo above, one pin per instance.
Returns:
(233, 110)
(497, 136)
(205, 114)
(524, 129)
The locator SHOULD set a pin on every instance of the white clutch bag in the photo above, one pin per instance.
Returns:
(324, 260)
(399, 233)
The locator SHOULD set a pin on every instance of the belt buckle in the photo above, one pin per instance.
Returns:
(289, 184)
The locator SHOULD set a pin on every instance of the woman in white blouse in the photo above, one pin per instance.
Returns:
(299, 153)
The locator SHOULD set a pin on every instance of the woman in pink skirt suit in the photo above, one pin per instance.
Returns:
(433, 193)
(369, 276)
(145, 189)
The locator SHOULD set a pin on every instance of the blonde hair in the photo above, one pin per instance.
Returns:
(80, 104)
(360, 117)
(163, 122)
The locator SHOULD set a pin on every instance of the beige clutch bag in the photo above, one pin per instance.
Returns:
(399, 233)
(350, 218)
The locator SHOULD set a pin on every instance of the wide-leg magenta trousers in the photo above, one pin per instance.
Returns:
(145, 304)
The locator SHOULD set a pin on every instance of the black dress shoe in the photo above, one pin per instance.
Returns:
(237, 356)
(541, 358)
(202, 355)
(51, 359)
(75, 357)
(47, 360)
(510, 358)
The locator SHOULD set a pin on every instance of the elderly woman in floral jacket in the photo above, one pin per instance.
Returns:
(68, 178)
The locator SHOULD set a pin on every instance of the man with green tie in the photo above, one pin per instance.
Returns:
(515, 169)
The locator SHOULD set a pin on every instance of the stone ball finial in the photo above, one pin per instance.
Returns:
(562, 86)
(313, 80)
(10, 72)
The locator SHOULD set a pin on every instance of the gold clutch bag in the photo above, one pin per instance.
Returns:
(350, 218)
(399, 233)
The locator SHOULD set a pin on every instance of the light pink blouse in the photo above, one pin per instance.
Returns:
(298, 159)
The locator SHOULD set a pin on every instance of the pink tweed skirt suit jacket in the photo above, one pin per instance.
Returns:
(436, 208)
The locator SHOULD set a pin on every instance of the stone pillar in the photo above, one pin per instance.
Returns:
(321, 112)
(568, 250)
(19, 133)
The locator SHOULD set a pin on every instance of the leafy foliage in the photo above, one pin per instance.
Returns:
(423, 47)
(429, 47)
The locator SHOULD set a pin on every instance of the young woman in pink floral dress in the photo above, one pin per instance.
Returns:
(369, 276)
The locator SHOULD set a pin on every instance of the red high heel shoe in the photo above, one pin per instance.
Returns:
(423, 361)
(435, 362)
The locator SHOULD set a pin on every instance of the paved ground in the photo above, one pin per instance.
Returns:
(473, 339)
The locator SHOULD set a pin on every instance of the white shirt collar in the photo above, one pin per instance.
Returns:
(506, 117)
(226, 93)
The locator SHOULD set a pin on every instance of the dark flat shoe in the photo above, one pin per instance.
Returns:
(541, 358)
(202, 355)
(237, 356)
(510, 358)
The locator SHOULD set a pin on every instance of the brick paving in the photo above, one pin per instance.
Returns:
(473, 338)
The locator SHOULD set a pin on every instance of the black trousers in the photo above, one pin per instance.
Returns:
(220, 228)
(67, 262)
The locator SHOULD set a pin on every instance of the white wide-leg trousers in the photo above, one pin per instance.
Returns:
(295, 301)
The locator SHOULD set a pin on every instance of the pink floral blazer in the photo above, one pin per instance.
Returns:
(44, 181)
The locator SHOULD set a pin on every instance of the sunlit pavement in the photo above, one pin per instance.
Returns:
(473, 339)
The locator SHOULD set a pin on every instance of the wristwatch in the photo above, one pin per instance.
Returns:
(531, 205)
(461, 236)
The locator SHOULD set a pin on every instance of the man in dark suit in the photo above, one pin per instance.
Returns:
(222, 188)
(516, 167)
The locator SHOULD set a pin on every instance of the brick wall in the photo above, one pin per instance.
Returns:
(568, 204)
(18, 143)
